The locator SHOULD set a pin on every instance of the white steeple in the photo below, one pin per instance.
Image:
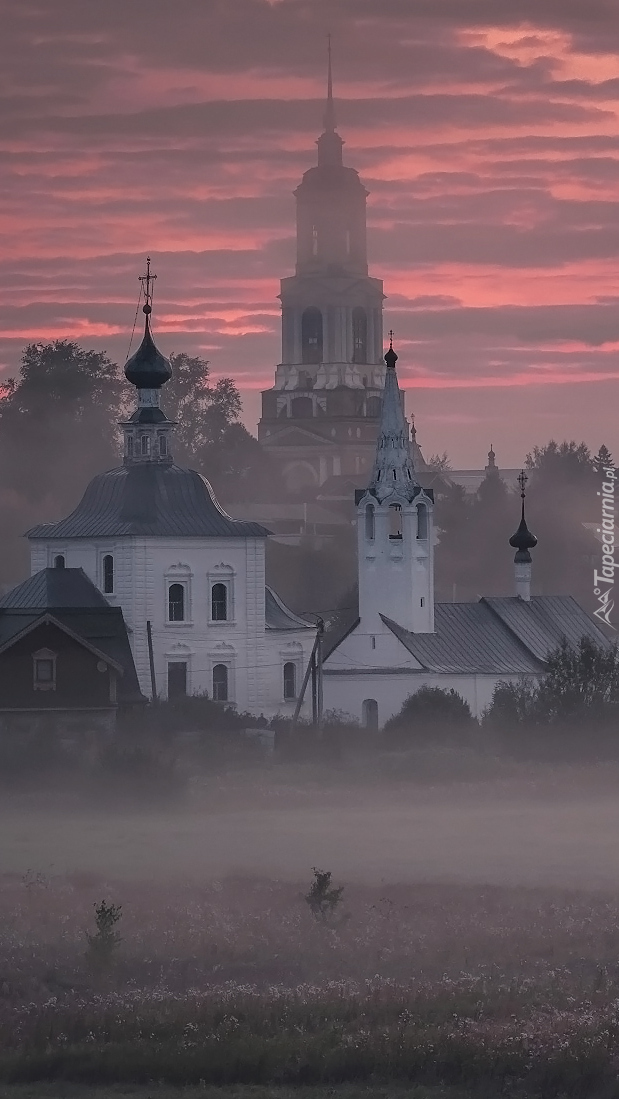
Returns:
(394, 529)
(393, 473)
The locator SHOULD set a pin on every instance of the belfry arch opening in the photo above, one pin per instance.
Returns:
(359, 335)
(311, 335)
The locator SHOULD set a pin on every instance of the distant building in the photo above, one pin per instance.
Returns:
(65, 659)
(400, 640)
(189, 580)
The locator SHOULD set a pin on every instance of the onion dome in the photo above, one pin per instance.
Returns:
(148, 368)
(522, 541)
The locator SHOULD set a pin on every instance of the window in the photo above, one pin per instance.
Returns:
(395, 521)
(145, 445)
(369, 712)
(373, 407)
(311, 336)
(422, 521)
(177, 679)
(301, 408)
(163, 446)
(373, 642)
(108, 574)
(220, 683)
(219, 603)
(290, 680)
(314, 240)
(44, 670)
(129, 446)
(369, 522)
(59, 561)
(176, 603)
(359, 335)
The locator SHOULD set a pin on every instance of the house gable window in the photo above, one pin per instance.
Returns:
(44, 670)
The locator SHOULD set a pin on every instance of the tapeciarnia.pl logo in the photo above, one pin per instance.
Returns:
(603, 581)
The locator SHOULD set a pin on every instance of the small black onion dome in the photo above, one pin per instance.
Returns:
(523, 541)
(148, 368)
(391, 358)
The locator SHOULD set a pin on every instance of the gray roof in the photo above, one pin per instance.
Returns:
(279, 617)
(542, 624)
(503, 636)
(69, 597)
(153, 500)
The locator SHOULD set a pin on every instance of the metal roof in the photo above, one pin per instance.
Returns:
(468, 639)
(52, 588)
(542, 623)
(279, 617)
(152, 500)
(503, 636)
(74, 601)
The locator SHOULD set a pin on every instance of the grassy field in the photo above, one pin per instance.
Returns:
(475, 952)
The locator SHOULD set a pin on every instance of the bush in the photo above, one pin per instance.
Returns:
(431, 714)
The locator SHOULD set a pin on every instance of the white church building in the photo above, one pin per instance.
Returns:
(189, 579)
(401, 639)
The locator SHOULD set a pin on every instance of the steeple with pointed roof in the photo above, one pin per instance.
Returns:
(147, 431)
(393, 474)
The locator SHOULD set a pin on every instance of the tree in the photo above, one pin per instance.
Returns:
(203, 412)
(430, 715)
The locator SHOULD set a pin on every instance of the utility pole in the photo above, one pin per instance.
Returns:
(320, 629)
(151, 660)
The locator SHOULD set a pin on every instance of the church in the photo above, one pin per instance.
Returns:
(402, 640)
(189, 580)
(320, 419)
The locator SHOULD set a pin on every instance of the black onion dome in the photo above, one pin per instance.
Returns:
(523, 541)
(391, 358)
(148, 368)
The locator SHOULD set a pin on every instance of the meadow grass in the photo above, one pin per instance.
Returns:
(233, 985)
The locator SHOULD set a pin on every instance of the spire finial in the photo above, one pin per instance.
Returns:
(147, 280)
(391, 358)
(329, 120)
(523, 541)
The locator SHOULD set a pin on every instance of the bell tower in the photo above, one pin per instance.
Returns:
(320, 419)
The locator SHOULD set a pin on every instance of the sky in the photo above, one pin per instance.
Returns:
(486, 132)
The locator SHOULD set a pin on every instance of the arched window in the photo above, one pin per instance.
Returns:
(129, 446)
(176, 603)
(395, 521)
(369, 522)
(59, 561)
(311, 336)
(220, 683)
(219, 603)
(290, 680)
(422, 521)
(145, 445)
(373, 407)
(108, 574)
(369, 711)
(163, 446)
(359, 335)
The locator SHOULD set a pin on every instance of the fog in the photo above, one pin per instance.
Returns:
(536, 827)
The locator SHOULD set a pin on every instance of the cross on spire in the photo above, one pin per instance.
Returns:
(522, 481)
(391, 339)
(147, 280)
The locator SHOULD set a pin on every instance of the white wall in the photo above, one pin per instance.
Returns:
(347, 691)
(143, 570)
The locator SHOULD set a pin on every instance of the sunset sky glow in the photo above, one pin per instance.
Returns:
(490, 149)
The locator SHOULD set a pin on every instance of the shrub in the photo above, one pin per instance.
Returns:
(103, 945)
(430, 714)
(323, 898)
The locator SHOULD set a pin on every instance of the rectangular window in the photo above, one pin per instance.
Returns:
(44, 670)
(177, 679)
(108, 574)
